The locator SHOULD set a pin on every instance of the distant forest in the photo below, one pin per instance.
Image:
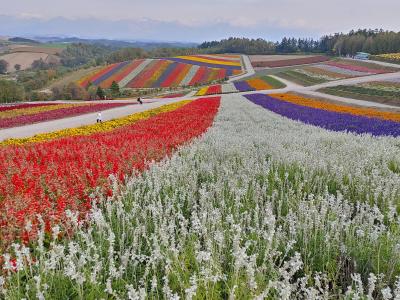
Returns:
(363, 40)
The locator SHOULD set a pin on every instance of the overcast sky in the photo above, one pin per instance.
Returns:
(194, 20)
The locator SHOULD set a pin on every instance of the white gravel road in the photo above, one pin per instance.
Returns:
(77, 121)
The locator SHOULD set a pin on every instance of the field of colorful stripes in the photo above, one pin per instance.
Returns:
(254, 84)
(155, 73)
(331, 116)
(231, 64)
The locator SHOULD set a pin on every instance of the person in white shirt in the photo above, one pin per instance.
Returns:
(99, 118)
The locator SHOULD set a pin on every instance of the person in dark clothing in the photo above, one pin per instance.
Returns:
(139, 100)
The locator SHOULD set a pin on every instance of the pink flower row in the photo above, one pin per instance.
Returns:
(25, 105)
(57, 114)
(356, 68)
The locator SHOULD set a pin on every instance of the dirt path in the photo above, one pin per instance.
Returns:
(352, 81)
(248, 69)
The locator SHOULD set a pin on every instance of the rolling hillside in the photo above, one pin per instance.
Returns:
(164, 73)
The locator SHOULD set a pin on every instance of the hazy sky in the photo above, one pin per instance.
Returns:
(180, 20)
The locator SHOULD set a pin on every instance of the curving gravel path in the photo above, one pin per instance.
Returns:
(248, 67)
(73, 122)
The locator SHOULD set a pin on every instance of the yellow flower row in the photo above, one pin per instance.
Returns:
(210, 61)
(202, 91)
(391, 56)
(34, 110)
(96, 128)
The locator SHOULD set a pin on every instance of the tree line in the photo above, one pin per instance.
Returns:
(373, 41)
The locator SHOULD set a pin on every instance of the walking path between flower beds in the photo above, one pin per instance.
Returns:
(311, 91)
(248, 68)
(73, 122)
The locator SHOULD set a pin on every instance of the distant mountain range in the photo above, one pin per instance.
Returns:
(148, 45)
(115, 43)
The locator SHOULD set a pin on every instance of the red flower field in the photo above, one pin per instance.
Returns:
(50, 177)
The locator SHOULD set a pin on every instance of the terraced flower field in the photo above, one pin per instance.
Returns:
(269, 197)
(253, 84)
(163, 73)
(277, 61)
(330, 116)
(23, 114)
(387, 92)
(333, 70)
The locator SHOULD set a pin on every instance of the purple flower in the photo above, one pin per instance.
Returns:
(330, 120)
(243, 86)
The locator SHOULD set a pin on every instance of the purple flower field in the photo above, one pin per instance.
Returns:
(327, 119)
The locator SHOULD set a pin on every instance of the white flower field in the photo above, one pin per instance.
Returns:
(259, 207)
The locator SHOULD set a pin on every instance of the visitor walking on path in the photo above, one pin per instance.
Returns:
(99, 118)
(139, 100)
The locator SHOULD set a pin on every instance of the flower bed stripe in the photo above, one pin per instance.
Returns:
(110, 73)
(97, 127)
(214, 89)
(175, 75)
(141, 80)
(34, 110)
(205, 76)
(220, 58)
(182, 75)
(356, 68)
(359, 111)
(57, 114)
(199, 75)
(341, 71)
(220, 62)
(222, 74)
(289, 62)
(125, 69)
(243, 86)
(157, 73)
(190, 75)
(25, 105)
(170, 70)
(135, 72)
(327, 119)
(205, 64)
(128, 70)
(51, 177)
(258, 84)
(97, 74)
(101, 73)
(202, 91)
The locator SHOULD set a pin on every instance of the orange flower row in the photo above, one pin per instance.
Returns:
(258, 84)
(359, 111)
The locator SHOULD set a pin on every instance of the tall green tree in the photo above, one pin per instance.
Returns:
(100, 93)
(115, 89)
(11, 91)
